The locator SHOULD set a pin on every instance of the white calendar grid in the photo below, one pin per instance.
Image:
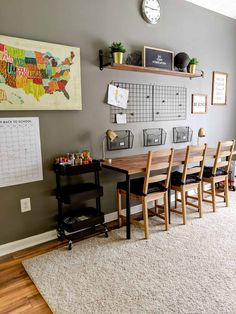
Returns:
(20, 151)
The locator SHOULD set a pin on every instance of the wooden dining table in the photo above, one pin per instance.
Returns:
(136, 164)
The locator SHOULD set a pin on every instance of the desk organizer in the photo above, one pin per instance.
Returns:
(182, 134)
(154, 137)
(124, 140)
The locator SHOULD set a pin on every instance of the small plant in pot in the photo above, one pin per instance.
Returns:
(192, 65)
(117, 51)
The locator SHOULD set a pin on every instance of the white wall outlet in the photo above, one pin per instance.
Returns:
(25, 205)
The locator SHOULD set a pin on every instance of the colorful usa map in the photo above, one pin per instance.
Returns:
(37, 75)
(35, 72)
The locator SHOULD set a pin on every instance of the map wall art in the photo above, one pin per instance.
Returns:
(39, 76)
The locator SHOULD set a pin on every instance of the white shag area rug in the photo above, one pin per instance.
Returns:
(189, 269)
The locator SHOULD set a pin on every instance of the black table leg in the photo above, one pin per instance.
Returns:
(169, 202)
(128, 207)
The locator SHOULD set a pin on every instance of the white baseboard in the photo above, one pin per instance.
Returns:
(27, 242)
(52, 235)
(48, 236)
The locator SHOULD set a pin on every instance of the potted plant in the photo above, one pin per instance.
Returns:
(117, 51)
(192, 65)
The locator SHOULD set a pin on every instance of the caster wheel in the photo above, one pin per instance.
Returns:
(70, 245)
(105, 230)
(60, 235)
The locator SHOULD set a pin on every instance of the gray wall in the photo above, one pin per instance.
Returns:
(91, 25)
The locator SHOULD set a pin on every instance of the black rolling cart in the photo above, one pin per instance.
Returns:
(70, 193)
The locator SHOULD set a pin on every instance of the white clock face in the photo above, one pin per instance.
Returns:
(151, 11)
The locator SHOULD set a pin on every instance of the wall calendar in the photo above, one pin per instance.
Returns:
(20, 151)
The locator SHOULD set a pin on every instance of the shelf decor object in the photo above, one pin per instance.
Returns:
(219, 88)
(192, 66)
(199, 103)
(154, 137)
(124, 140)
(182, 134)
(158, 58)
(181, 61)
(117, 51)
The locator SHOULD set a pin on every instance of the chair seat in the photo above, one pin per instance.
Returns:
(136, 187)
(207, 172)
(176, 178)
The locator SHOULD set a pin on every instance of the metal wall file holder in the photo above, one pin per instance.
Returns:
(124, 140)
(154, 137)
(182, 134)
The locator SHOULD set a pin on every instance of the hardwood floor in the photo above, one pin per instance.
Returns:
(18, 293)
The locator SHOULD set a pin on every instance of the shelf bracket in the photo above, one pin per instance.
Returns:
(202, 75)
(101, 57)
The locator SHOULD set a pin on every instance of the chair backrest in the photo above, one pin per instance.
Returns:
(224, 151)
(194, 161)
(158, 161)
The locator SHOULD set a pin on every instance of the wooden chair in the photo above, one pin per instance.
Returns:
(150, 188)
(219, 173)
(190, 179)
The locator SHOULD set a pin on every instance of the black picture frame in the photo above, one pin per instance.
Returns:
(158, 58)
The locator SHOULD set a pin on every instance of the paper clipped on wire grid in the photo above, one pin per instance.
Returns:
(117, 96)
(121, 118)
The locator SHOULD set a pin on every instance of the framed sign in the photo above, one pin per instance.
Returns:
(199, 103)
(219, 88)
(158, 58)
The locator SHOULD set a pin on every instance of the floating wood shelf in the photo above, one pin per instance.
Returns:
(135, 68)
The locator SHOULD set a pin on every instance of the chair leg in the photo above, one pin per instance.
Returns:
(176, 196)
(226, 192)
(166, 210)
(183, 206)
(186, 196)
(156, 209)
(200, 199)
(213, 189)
(119, 207)
(145, 217)
(202, 189)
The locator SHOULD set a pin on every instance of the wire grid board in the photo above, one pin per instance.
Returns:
(20, 147)
(152, 103)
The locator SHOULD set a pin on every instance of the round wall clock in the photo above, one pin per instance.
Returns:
(151, 11)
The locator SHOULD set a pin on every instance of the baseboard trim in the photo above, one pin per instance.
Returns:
(27, 242)
(48, 236)
(52, 235)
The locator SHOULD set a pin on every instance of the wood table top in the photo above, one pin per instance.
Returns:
(137, 163)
